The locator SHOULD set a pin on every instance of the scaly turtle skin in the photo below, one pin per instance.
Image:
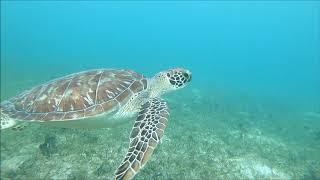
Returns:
(102, 98)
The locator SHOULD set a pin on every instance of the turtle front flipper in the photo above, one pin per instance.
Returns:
(145, 135)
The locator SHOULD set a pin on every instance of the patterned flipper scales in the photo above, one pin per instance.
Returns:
(144, 138)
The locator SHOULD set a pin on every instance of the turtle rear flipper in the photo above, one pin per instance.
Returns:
(6, 121)
(144, 138)
(19, 127)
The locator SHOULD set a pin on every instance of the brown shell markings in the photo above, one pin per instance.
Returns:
(76, 96)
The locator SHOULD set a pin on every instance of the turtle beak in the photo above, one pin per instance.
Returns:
(188, 76)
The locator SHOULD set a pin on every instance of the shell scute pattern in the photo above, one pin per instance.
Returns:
(80, 93)
(77, 96)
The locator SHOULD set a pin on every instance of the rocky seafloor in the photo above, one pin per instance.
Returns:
(206, 139)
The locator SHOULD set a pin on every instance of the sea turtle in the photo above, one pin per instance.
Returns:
(102, 98)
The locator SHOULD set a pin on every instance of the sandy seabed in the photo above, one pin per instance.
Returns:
(206, 138)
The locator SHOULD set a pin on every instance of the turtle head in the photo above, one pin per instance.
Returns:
(171, 79)
(178, 77)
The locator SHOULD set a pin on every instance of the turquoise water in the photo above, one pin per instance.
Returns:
(252, 110)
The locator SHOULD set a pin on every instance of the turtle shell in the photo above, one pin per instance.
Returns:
(76, 96)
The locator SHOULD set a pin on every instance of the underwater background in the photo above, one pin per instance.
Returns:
(252, 110)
